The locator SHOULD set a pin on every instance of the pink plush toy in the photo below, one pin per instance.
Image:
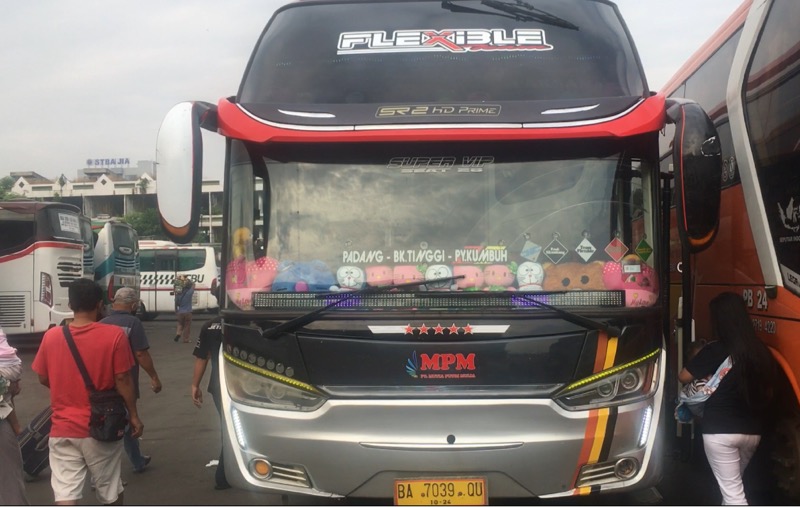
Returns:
(499, 276)
(636, 278)
(261, 272)
(379, 275)
(407, 274)
(473, 277)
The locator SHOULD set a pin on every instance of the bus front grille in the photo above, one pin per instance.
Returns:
(68, 269)
(13, 311)
(123, 264)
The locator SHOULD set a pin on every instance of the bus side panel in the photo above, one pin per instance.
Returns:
(17, 294)
(731, 260)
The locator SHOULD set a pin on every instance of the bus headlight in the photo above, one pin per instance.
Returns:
(250, 385)
(626, 383)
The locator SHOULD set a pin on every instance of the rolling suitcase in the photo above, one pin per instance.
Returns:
(33, 443)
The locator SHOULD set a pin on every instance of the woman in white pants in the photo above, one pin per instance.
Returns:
(733, 417)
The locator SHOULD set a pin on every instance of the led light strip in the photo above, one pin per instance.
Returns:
(612, 371)
(271, 375)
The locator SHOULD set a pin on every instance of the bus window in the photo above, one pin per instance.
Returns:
(147, 260)
(189, 260)
(18, 230)
(165, 261)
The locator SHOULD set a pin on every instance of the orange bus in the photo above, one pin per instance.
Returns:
(747, 76)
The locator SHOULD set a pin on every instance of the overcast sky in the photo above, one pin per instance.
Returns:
(90, 79)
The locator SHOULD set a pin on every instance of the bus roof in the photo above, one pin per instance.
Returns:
(31, 206)
(159, 243)
(723, 33)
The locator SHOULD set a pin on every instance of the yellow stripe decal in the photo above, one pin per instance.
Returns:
(611, 352)
(599, 435)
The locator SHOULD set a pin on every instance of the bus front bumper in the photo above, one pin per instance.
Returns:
(522, 447)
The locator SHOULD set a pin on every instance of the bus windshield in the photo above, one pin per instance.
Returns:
(544, 216)
(323, 54)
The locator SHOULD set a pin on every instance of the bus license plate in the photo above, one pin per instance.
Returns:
(444, 491)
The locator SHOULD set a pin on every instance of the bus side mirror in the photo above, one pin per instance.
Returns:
(179, 168)
(697, 159)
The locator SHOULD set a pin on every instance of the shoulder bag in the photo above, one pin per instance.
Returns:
(692, 402)
(109, 416)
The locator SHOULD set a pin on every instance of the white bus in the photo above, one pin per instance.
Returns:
(116, 256)
(162, 261)
(41, 252)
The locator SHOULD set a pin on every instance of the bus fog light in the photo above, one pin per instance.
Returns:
(626, 468)
(261, 468)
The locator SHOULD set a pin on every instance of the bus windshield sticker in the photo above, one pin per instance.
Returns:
(530, 250)
(644, 250)
(69, 223)
(616, 249)
(465, 164)
(439, 110)
(555, 251)
(585, 249)
(454, 41)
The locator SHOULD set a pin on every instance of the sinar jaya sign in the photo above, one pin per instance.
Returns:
(107, 161)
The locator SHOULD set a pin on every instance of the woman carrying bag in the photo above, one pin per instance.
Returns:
(733, 416)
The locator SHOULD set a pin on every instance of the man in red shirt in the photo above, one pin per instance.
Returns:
(107, 354)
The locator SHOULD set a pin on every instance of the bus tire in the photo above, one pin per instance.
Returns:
(782, 439)
(143, 314)
(784, 454)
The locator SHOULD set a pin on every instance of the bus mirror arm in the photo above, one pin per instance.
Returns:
(207, 115)
(697, 161)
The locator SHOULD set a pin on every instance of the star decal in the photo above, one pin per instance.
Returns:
(467, 329)
(409, 329)
(453, 329)
(423, 329)
(439, 329)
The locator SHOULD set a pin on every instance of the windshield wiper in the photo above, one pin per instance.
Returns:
(519, 11)
(572, 317)
(309, 317)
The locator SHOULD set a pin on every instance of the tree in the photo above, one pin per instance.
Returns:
(146, 223)
(6, 183)
(143, 184)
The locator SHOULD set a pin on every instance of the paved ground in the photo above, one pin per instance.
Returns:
(183, 440)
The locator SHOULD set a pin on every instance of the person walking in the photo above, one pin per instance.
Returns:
(106, 352)
(207, 348)
(184, 291)
(734, 415)
(123, 309)
(12, 483)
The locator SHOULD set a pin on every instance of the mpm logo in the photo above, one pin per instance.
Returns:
(442, 365)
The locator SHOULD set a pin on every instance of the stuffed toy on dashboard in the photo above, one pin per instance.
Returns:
(573, 276)
(636, 278)
(530, 276)
(313, 276)
(473, 277)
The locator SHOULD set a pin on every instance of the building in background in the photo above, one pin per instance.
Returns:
(104, 190)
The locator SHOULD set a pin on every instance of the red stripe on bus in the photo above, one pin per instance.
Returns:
(40, 244)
